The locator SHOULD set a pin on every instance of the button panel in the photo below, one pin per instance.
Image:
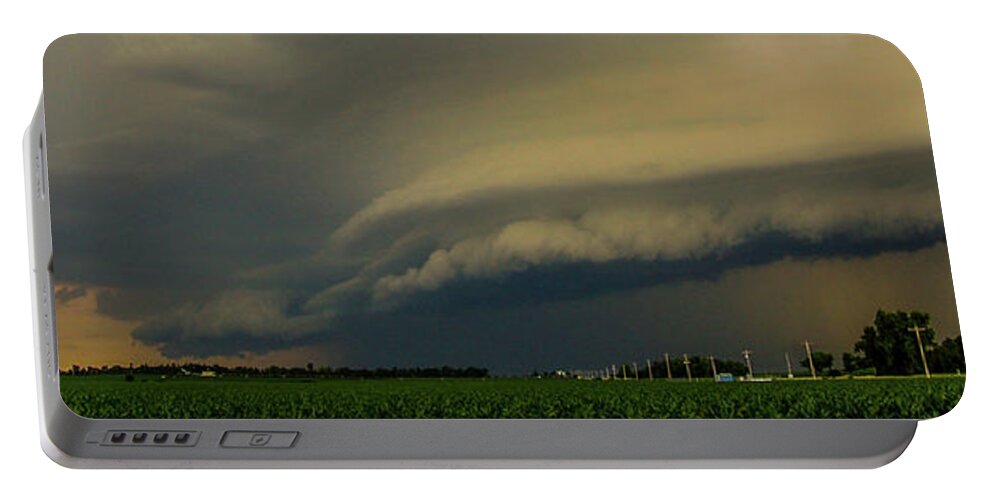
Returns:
(258, 439)
(146, 438)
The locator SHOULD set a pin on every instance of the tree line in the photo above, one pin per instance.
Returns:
(309, 371)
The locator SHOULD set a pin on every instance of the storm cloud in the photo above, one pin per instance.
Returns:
(240, 195)
(259, 321)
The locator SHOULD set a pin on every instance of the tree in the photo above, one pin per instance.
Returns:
(854, 363)
(890, 346)
(947, 357)
(823, 361)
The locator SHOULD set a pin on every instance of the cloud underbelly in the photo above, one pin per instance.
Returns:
(883, 202)
(659, 234)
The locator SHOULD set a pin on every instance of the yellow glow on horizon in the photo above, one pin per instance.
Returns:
(88, 338)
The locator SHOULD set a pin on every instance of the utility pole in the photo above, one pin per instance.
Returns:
(634, 367)
(789, 365)
(810, 359)
(686, 362)
(648, 363)
(748, 361)
(713, 367)
(668, 371)
(920, 345)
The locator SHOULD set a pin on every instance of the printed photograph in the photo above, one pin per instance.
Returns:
(496, 226)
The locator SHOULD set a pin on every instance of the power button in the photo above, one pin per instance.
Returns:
(258, 439)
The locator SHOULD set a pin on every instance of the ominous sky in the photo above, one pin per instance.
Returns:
(516, 202)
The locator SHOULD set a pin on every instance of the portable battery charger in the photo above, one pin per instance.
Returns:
(486, 251)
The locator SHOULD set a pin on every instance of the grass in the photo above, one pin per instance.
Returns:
(103, 396)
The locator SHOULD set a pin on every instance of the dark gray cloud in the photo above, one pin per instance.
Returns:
(137, 304)
(250, 194)
(68, 293)
(232, 322)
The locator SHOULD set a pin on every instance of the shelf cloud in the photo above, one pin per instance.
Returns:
(251, 195)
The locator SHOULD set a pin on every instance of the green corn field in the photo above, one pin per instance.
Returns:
(899, 397)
